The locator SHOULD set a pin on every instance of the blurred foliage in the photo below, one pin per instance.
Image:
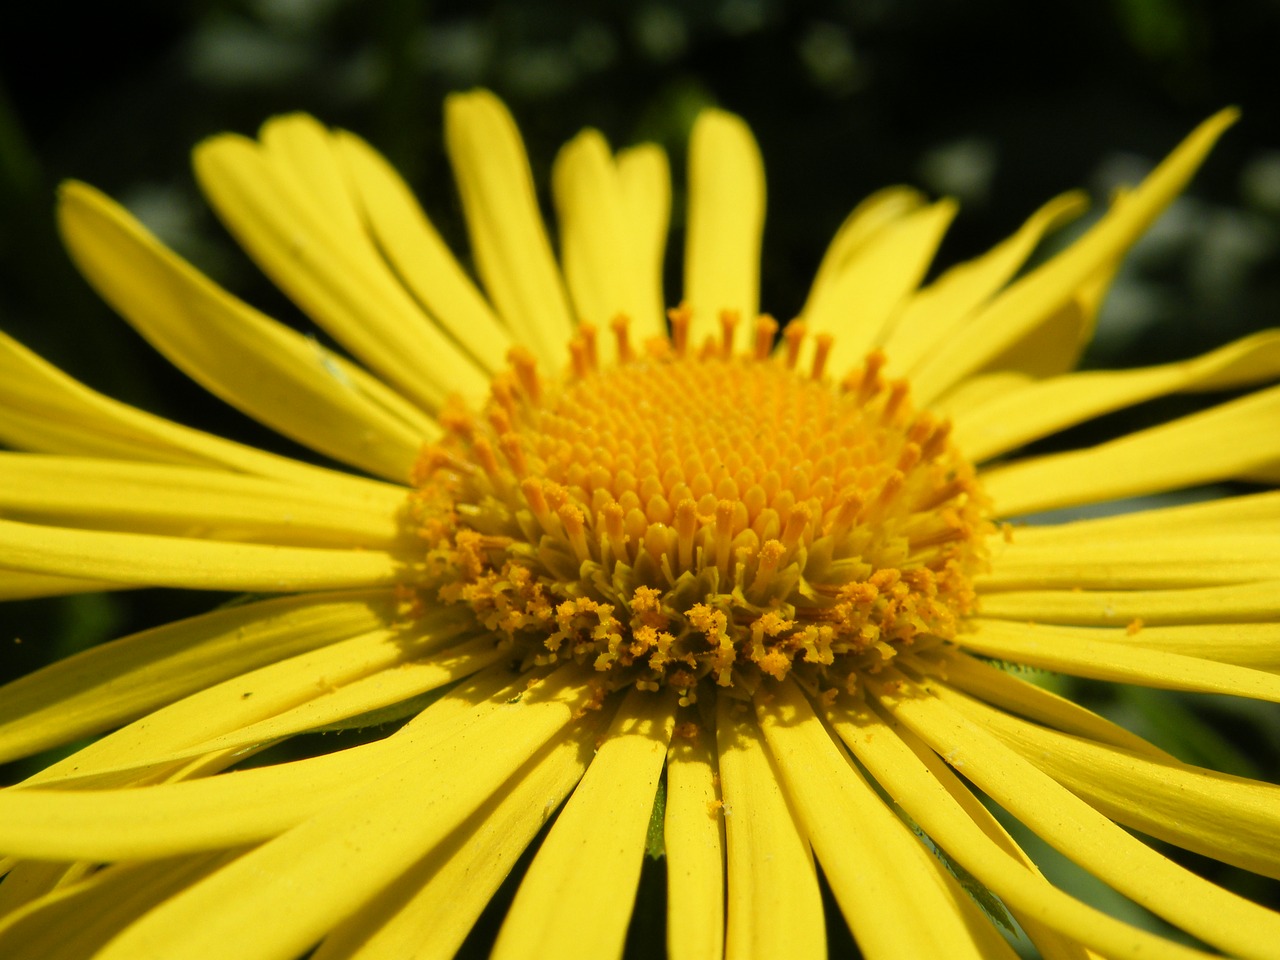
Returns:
(997, 102)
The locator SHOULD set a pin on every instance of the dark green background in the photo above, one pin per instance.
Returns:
(1003, 102)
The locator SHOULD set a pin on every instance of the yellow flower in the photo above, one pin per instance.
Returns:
(598, 553)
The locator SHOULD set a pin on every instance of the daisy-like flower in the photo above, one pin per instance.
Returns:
(639, 580)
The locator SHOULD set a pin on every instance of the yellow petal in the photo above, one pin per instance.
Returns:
(577, 895)
(277, 376)
(1228, 818)
(1237, 603)
(1218, 917)
(865, 222)
(1016, 695)
(428, 912)
(933, 315)
(72, 922)
(147, 560)
(645, 177)
(888, 889)
(279, 899)
(419, 255)
(858, 303)
(1220, 443)
(1250, 513)
(1116, 662)
(49, 411)
(774, 905)
(694, 835)
(946, 810)
(1021, 307)
(725, 226)
(336, 276)
(23, 586)
(1012, 419)
(606, 271)
(1254, 645)
(1151, 561)
(117, 681)
(188, 501)
(508, 239)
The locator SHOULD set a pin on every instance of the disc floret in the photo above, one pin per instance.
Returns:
(677, 517)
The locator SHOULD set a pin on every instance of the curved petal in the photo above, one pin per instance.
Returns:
(47, 410)
(1117, 662)
(147, 560)
(279, 899)
(880, 873)
(1022, 306)
(420, 257)
(336, 276)
(508, 239)
(428, 912)
(277, 376)
(933, 315)
(645, 177)
(1232, 819)
(1221, 443)
(606, 263)
(118, 681)
(944, 808)
(577, 895)
(725, 226)
(1237, 603)
(188, 501)
(1042, 408)
(1220, 918)
(857, 305)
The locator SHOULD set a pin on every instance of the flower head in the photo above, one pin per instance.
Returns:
(648, 579)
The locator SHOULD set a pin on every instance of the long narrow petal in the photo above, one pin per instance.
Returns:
(725, 226)
(429, 911)
(277, 376)
(858, 303)
(1237, 603)
(72, 922)
(1218, 917)
(577, 895)
(420, 257)
(1250, 513)
(1154, 561)
(188, 501)
(1042, 292)
(1042, 408)
(278, 900)
(155, 561)
(644, 174)
(607, 272)
(1117, 662)
(336, 276)
(1232, 819)
(118, 681)
(1002, 689)
(694, 834)
(942, 806)
(866, 221)
(894, 902)
(508, 239)
(774, 905)
(936, 312)
(1222, 443)
(49, 411)
(24, 586)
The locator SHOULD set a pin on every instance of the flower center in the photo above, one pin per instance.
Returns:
(681, 516)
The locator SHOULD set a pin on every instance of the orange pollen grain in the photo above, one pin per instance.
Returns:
(689, 514)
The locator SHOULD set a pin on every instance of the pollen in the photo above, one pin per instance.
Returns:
(686, 517)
